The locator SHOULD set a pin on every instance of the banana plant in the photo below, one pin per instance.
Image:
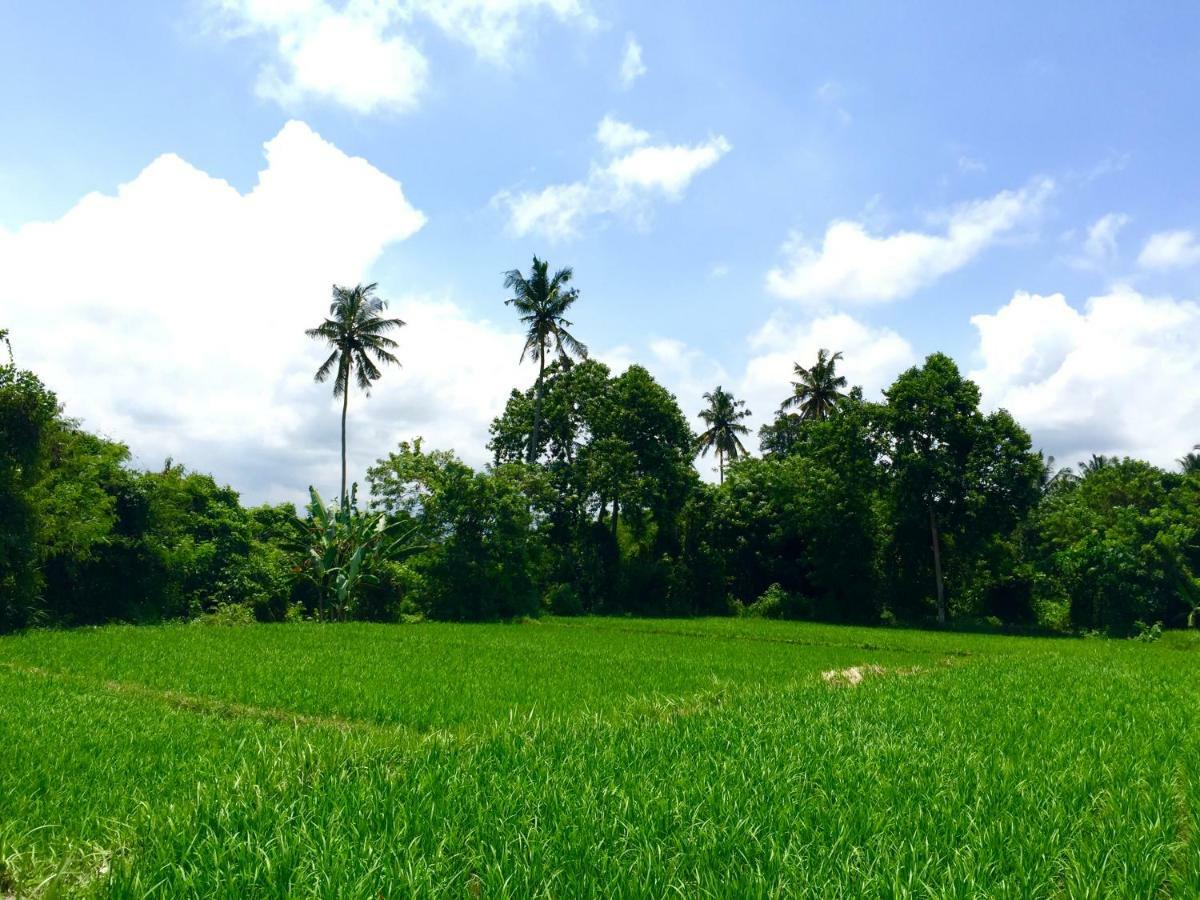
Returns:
(344, 548)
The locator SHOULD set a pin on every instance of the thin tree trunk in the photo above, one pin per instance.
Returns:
(537, 406)
(937, 566)
(345, 404)
(614, 517)
(721, 464)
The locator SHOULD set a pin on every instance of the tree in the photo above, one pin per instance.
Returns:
(1097, 462)
(355, 330)
(27, 411)
(723, 418)
(1189, 464)
(954, 473)
(818, 391)
(1123, 545)
(542, 300)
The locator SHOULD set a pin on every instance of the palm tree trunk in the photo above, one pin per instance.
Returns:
(345, 405)
(937, 566)
(537, 407)
(721, 464)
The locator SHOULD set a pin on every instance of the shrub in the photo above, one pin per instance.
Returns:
(227, 614)
(776, 603)
(564, 600)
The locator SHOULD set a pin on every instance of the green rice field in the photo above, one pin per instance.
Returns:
(596, 757)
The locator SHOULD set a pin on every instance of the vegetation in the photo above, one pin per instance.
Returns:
(723, 417)
(706, 757)
(542, 299)
(918, 508)
(355, 332)
(727, 753)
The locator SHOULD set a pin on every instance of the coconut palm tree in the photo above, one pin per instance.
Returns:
(818, 391)
(355, 331)
(723, 418)
(542, 299)
(1097, 462)
(1190, 463)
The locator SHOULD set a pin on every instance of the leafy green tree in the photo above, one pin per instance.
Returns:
(818, 390)
(482, 555)
(27, 411)
(954, 473)
(542, 301)
(355, 330)
(723, 416)
(572, 397)
(1122, 546)
(782, 437)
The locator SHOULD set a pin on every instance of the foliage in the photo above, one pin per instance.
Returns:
(347, 549)
(27, 410)
(818, 391)
(542, 301)
(1123, 544)
(355, 332)
(958, 480)
(723, 417)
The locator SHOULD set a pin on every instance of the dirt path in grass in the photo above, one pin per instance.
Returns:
(209, 705)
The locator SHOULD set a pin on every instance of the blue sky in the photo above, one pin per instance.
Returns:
(735, 185)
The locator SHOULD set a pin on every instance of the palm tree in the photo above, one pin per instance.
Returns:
(723, 418)
(355, 330)
(1190, 463)
(1053, 478)
(542, 300)
(818, 391)
(1095, 464)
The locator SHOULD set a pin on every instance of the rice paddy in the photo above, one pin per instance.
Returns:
(596, 757)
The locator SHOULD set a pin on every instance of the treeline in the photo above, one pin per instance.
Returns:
(917, 508)
(836, 520)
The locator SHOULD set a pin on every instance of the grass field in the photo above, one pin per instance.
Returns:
(605, 757)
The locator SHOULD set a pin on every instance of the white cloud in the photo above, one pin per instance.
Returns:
(494, 27)
(1120, 377)
(855, 266)
(1100, 245)
(1170, 250)
(615, 136)
(872, 357)
(175, 320)
(624, 183)
(632, 67)
(364, 54)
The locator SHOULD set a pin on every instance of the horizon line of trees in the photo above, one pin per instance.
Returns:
(919, 507)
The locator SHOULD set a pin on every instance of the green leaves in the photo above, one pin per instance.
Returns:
(345, 546)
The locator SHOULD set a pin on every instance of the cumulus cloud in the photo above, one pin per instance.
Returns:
(364, 54)
(170, 315)
(1119, 377)
(633, 173)
(632, 67)
(1170, 250)
(851, 265)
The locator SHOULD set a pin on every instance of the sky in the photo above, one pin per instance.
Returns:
(735, 186)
